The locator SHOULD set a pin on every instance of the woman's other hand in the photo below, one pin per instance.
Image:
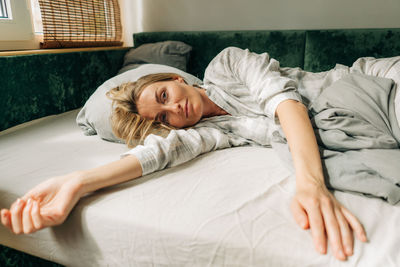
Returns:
(47, 204)
(314, 207)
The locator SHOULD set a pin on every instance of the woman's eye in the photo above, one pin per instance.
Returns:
(164, 118)
(164, 96)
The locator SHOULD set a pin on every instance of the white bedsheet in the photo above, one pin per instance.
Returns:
(225, 208)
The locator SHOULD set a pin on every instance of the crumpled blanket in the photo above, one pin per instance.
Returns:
(358, 135)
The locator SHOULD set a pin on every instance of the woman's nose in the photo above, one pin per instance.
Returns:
(175, 108)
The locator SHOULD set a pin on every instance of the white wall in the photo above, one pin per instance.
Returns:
(188, 15)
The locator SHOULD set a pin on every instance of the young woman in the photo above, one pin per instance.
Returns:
(244, 98)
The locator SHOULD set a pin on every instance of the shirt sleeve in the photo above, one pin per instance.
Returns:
(178, 147)
(258, 72)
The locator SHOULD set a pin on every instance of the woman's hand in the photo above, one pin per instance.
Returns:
(47, 204)
(315, 207)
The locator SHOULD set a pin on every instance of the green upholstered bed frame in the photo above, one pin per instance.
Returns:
(315, 50)
(35, 86)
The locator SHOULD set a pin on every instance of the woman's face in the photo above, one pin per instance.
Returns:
(171, 102)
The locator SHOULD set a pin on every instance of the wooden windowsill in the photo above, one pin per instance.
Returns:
(59, 50)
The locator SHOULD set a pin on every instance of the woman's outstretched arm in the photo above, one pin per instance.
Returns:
(314, 206)
(50, 202)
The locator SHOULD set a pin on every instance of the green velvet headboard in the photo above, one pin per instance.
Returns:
(312, 50)
(34, 86)
(324, 49)
(288, 46)
(39, 85)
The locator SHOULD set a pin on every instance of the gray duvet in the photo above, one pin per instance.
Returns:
(358, 135)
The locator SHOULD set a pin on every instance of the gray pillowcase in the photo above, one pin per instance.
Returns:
(170, 53)
(94, 117)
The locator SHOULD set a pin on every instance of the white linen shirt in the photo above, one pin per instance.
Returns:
(249, 87)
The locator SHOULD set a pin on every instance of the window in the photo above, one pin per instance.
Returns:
(16, 31)
(31, 24)
(4, 9)
(80, 23)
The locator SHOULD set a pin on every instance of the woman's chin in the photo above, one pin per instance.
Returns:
(191, 122)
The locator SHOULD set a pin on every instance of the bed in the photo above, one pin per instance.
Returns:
(225, 208)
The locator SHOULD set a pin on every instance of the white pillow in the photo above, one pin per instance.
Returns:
(94, 117)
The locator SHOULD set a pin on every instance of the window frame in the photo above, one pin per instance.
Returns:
(16, 32)
(30, 43)
(5, 4)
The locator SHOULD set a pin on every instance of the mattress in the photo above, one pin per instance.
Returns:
(225, 208)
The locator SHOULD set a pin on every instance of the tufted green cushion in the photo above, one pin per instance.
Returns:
(35, 86)
(285, 46)
(325, 48)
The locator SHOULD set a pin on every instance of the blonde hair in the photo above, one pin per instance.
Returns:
(126, 123)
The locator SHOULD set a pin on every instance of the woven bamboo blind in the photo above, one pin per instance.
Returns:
(80, 23)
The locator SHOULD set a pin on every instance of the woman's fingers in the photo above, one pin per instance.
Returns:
(346, 233)
(328, 219)
(299, 214)
(332, 228)
(317, 227)
(16, 216)
(355, 224)
(27, 225)
(5, 218)
(36, 217)
(23, 217)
